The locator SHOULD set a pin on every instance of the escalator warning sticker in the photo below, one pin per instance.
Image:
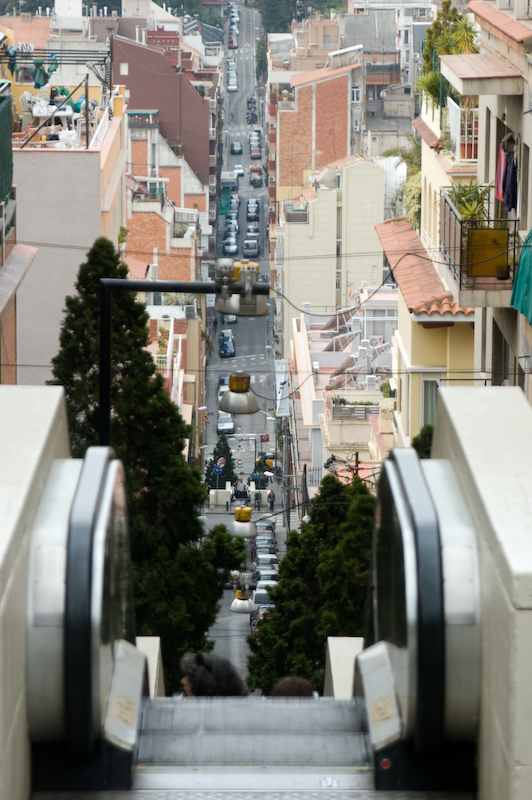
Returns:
(123, 709)
(383, 709)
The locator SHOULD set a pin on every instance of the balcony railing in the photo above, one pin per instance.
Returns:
(463, 131)
(212, 133)
(354, 412)
(481, 253)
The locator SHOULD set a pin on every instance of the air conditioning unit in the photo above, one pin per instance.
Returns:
(190, 312)
(356, 125)
(375, 340)
(273, 126)
(415, 56)
(271, 209)
(316, 367)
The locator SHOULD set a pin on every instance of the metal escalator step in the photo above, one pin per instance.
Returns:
(251, 732)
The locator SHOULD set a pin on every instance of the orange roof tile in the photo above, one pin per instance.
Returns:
(325, 73)
(481, 66)
(428, 136)
(416, 276)
(515, 30)
(136, 268)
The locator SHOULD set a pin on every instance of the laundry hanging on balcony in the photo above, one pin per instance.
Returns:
(509, 200)
(522, 289)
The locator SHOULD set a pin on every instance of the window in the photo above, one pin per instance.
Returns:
(124, 68)
(405, 35)
(429, 402)
(407, 56)
(326, 41)
(356, 94)
(127, 95)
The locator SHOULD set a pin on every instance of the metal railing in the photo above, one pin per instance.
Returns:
(463, 130)
(358, 412)
(478, 251)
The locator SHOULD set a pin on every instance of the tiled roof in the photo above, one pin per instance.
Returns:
(428, 136)
(481, 66)
(136, 268)
(515, 30)
(420, 284)
(325, 73)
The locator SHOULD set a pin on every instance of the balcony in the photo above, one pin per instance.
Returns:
(213, 161)
(481, 252)
(212, 212)
(462, 125)
(212, 184)
(297, 214)
(212, 106)
(212, 134)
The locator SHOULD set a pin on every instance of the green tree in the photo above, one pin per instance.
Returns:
(422, 443)
(221, 450)
(450, 34)
(261, 63)
(178, 574)
(321, 590)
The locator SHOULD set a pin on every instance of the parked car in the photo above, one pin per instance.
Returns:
(265, 549)
(258, 617)
(233, 43)
(232, 227)
(261, 597)
(266, 559)
(256, 152)
(230, 246)
(229, 319)
(251, 248)
(223, 380)
(232, 87)
(252, 231)
(239, 169)
(221, 391)
(226, 423)
(252, 213)
(264, 574)
(227, 344)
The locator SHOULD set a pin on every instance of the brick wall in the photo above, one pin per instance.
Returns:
(199, 199)
(139, 157)
(173, 187)
(296, 151)
(332, 135)
(149, 230)
(294, 140)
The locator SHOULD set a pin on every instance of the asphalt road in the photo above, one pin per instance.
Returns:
(253, 335)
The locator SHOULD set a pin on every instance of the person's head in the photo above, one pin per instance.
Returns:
(208, 675)
(292, 687)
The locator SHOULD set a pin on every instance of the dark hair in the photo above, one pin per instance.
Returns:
(292, 687)
(212, 676)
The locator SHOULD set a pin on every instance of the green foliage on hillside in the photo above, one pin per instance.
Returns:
(322, 587)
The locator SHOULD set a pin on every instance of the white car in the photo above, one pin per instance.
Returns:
(226, 422)
(221, 391)
(239, 169)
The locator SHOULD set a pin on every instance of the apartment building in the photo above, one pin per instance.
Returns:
(326, 242)
(314, 119)
(67, 196)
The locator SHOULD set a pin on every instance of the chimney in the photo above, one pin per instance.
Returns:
(105, 11)
(143, 34)
(136, 33)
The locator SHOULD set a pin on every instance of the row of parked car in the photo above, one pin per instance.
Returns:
(265, 561)
(234, 22)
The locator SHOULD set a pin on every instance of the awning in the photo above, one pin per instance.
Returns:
(522, 288)
(481, 73)
(428, 135)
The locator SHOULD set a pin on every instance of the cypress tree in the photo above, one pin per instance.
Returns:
(178, 573)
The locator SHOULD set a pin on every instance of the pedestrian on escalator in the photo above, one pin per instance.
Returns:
(209, 675)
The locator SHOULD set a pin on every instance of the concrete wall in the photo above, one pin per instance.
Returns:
(66, 185)
(362, 197)
(472, 426)
(33, 432)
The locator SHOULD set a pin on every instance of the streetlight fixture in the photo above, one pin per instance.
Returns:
(243, 527)
(239, 399)
(242, 604)
(246, 303)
